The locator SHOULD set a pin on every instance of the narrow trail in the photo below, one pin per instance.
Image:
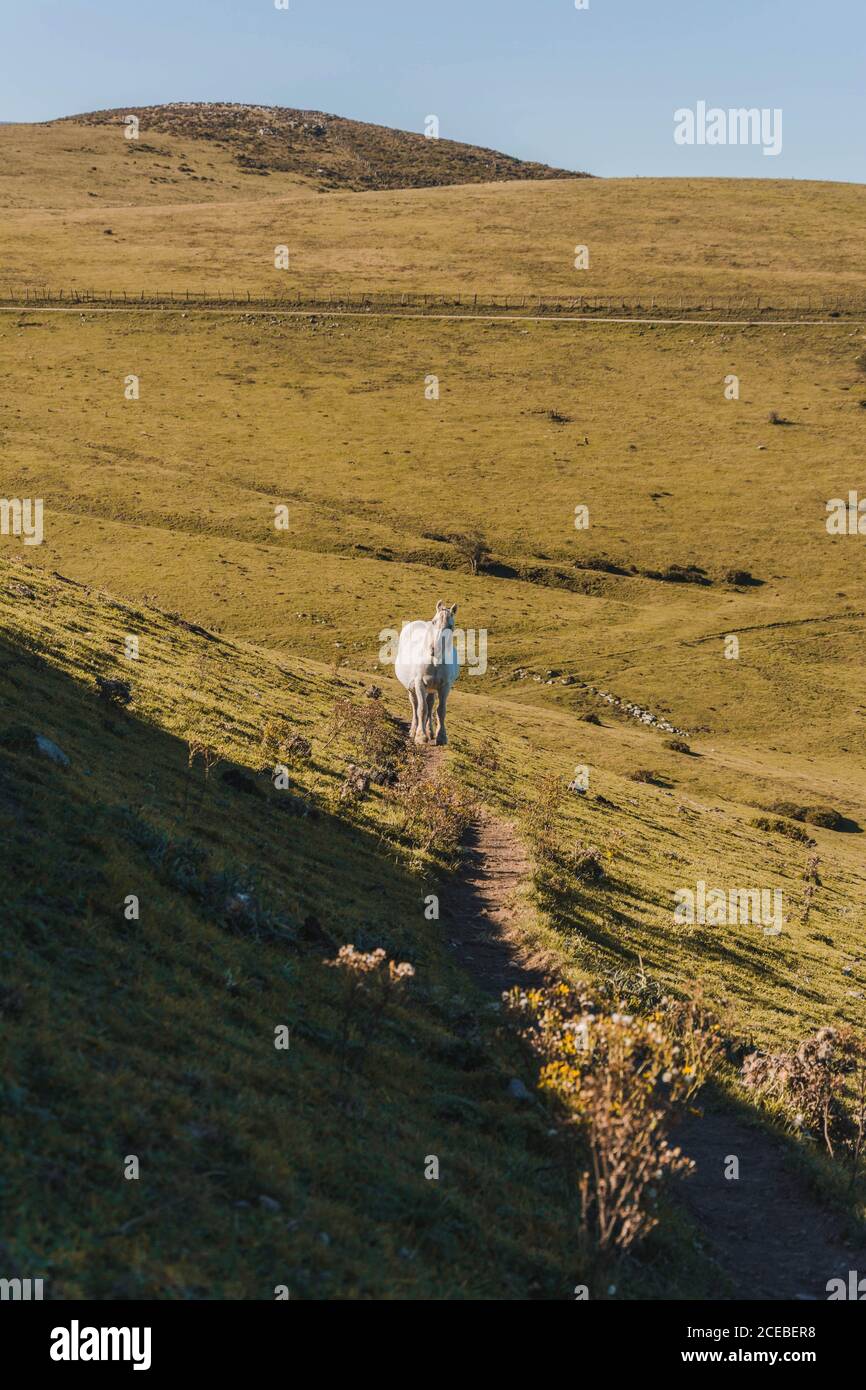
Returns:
(481, 909)
(766, 1231)
(481, 912)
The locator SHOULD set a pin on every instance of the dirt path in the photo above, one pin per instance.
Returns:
(480, 907)
(766, 1230)
(767, 1233)
(188, 309)
(481, 910)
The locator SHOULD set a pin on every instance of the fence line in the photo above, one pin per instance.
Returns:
(427, 301)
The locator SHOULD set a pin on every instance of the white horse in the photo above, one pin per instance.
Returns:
(427, 665)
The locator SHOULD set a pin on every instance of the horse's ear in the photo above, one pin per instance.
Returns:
(454, 610)
(440, 605)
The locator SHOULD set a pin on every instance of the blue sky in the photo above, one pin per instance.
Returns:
(588, 89)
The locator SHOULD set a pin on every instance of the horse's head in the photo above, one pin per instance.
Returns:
(444, 617)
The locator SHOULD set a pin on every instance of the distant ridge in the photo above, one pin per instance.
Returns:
(333, 151)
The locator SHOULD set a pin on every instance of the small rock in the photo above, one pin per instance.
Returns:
(517, 1090)
(269, 1204)
(51, 750)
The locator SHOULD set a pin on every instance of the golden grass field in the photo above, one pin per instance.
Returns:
(164, 505)
(664, 238)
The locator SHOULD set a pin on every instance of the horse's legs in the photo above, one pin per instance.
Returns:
(421, 702)
(431, 700)
(413, 728)
(442, 735)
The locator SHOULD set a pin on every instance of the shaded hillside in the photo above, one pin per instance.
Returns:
(331, 151)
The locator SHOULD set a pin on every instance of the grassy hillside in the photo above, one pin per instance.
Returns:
(670, 239)
(305, 1167)
(174, 495)
(258, 1167)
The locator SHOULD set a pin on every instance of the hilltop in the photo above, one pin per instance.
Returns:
(214, 151)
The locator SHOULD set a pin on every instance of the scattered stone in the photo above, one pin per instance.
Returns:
(517, 1090)
(51, 750)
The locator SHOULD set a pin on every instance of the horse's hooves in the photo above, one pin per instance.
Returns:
(442, 740)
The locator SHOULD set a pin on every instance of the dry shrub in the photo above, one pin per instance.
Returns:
(824, 816)
(199, 749)
(355, 784)
(436, 809)
(371, 734)
(821, 1086)
(694, 1027)
(487, 755)
(542, 816)
(617, 1077)
(471, 547)
(371, 984)
(645, 774)
(281, 743)
(587, 863)
(677, 745)
(812, 880)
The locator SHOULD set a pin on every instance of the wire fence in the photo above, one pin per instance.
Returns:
(421, 302)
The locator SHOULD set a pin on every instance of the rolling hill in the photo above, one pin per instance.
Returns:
(211, 151)
(175, 211)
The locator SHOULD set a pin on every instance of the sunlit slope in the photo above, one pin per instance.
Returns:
(175, 493)
(689, 240)
(130, 782)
